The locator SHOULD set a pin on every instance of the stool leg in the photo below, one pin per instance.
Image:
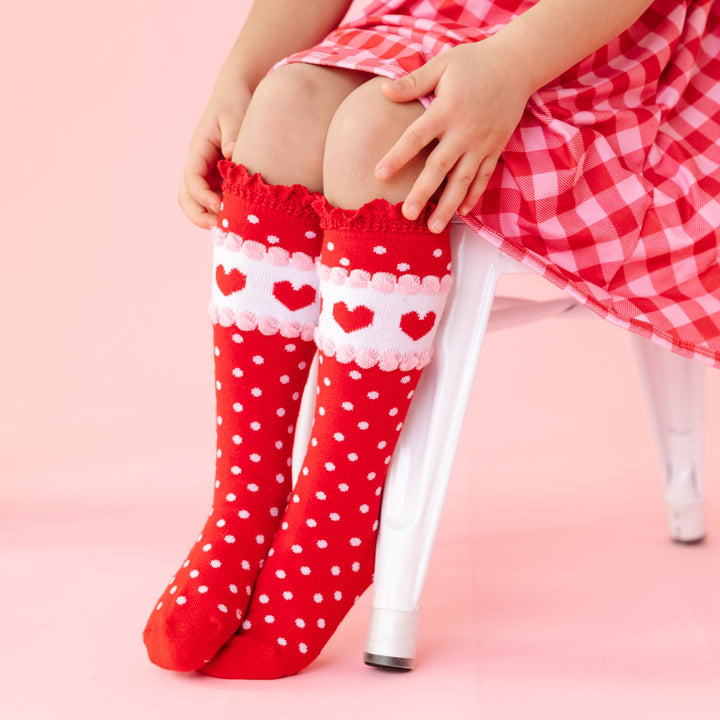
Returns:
(420, 469)
(674, 389)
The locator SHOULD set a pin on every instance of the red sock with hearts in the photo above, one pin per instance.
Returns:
(264, 311)
(383, 283)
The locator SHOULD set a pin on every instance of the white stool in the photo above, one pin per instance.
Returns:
(418, 476)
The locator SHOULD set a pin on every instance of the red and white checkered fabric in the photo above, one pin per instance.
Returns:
(610, 185)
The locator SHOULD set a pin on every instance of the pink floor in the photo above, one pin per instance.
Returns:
(553, 591)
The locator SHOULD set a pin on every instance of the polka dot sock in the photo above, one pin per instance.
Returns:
(384, 282)
(265, 308)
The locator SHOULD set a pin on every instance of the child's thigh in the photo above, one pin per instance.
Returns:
(283, 132)
(364, 128)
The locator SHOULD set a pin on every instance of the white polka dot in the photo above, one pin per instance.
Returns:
(355, 374)
(355, 542)
(237, 337)
(388, 459)
(402, 267)
(218, 385)
(258, 359)
(337, 595)
(181, 600)
(244, 514)
(233, 589)
(344, 262)
(253, 219)
(186, 563)
(352, 457)
(297, 549)
(321, 410)
(246, 625)
(282, 641)
(373, 394)
(382, 444)
(215, 563)
(238, 613)
(378, 491)
(259, 539)
(320, 495)
(379, 250)
(285, 526)
(363, 425)
(300, 622)
(207, 547)
(273, 239)
(219, 420)
(225, 222)
(284, 379)
(280, 478)
(280, 574)
(278, 444)
(256, 392)
(217, 483)
(235, 469)
(371, 476)
(364, 508)
(288, 595)
(410, 394)
(335, 570)
(355, 566)
(322, 544)
(252, 487)
(203, 589)
(255, 458)
(255, 425)
(231, 497)
(303, 648)
(347, 405)
(280, 412)
(311, 523)
(393, 412)
(159, 605)
(237, 372)
(245, 565)
(339, 436)
(334, 517)
(269, 619)
(220, 523)
(313, 442)
(310, 234)
(329, 466)
(264, 599)
(222, 608)
(305, 570)
(330, 246)
(229, 539)
(437, 252)
(217, 351)
(321, 623)
(237, 439)
(194, 573)
(274, 512)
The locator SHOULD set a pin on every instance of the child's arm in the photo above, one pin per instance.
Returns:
(273, 30)
(481, 91)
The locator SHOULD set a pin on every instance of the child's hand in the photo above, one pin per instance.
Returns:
(215, 135)
(481, 90)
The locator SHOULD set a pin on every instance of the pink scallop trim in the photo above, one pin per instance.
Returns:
(367, 357)
(386, 282)
(257, 251)
(266, 324)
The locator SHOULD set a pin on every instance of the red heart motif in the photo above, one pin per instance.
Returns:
(352, 320)
(416, 327)
(294, 298)
(229, 282)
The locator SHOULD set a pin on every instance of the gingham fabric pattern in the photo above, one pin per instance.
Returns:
(609, 186)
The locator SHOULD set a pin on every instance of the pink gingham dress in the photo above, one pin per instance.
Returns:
(610, 185)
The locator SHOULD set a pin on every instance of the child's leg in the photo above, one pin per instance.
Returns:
(265, 309)
(383, 284)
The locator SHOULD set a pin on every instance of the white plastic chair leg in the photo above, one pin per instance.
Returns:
(419, 473)
(674, 389)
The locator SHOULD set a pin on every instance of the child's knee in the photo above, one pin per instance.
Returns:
(364, 128)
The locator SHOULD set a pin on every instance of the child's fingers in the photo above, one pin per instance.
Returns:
(437, 167)
(415, 85)
(460, 178)
(194, 211)
(229, 130)
(479, 184)
(417, 135)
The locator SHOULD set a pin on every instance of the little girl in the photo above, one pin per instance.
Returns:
(579, 136)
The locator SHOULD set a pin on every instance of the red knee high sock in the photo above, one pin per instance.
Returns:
(264, 310)
(383, 284)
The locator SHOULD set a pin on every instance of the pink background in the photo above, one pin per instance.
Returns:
(553, 589)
